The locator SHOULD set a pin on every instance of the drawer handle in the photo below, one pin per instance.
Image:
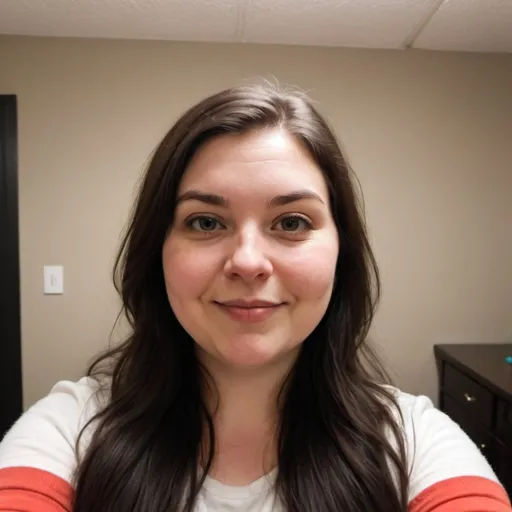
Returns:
(469, 398)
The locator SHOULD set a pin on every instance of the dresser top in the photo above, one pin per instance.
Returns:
(485, 363)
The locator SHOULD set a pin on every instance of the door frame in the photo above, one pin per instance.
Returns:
(11, 394)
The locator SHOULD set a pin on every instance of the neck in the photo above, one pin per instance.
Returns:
(245, 412)
(245, 394)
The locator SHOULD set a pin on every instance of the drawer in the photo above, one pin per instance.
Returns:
(504, 422)
(478, 434)
(475, 400)
(503, 465)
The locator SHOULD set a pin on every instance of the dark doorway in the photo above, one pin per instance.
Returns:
(11, 402)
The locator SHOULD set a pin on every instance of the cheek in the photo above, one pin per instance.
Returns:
(309, 273)
(188, 273)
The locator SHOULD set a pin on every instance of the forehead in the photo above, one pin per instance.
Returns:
(262, 158)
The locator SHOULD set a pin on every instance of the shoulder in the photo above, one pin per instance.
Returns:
(443, 462)
(45, 436)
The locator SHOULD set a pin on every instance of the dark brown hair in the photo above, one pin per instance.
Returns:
(340, 441)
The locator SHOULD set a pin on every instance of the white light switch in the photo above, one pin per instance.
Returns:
(53, 280)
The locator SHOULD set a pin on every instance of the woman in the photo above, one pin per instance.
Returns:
(249, 284)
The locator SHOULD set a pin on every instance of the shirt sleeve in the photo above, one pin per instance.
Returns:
(448, 473)
(37, 455)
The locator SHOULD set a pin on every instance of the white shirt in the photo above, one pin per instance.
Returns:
(39, 449)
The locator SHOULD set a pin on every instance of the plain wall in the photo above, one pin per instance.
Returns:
(428, 134)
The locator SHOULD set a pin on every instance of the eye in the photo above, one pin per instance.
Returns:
(204, 224)
(294, 224)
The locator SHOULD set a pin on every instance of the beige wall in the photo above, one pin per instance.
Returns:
(428, 134)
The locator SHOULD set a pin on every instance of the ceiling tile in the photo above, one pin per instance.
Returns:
(472, 25)
(192, 20)
(469, 25)
(369, 23)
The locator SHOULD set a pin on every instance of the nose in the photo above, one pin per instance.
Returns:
(248, 260)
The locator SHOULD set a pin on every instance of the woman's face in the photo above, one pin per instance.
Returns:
(250, 259)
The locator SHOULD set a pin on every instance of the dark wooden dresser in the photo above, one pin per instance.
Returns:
(475, 390)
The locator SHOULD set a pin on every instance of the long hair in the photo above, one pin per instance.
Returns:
(340, 440)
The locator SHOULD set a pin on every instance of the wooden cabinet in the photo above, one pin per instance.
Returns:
(475, 390)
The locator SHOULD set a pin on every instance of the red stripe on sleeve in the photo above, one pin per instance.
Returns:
(462, 494)
(24, 489)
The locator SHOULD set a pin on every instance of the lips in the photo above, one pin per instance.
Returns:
(249, 311)
(250, 303)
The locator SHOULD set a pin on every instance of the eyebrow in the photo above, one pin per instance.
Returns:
(196, 195)
(292, 197)
(216, 200)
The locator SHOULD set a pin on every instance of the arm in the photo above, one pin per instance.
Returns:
(25, 489)
(37, 456)
(448, 472)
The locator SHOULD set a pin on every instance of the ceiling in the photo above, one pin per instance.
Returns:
(460, 25)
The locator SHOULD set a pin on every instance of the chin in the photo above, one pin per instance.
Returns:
(255, 354)
(248, 361)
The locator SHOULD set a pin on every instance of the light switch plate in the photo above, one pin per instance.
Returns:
(53, 280)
